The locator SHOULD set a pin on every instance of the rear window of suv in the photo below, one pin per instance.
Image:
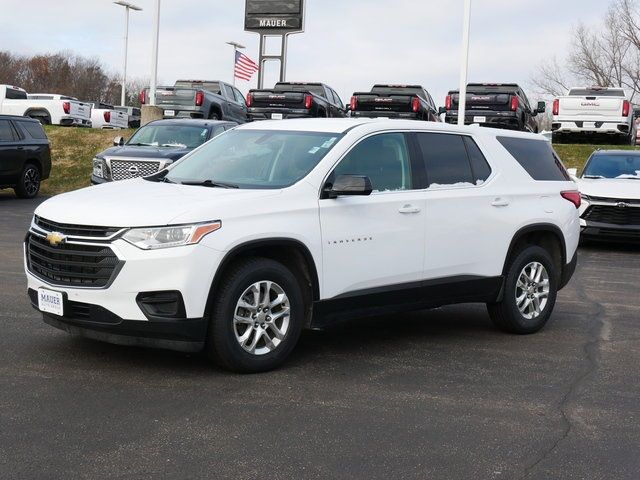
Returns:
(536, 157)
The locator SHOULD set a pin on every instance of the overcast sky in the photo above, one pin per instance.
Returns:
(348, 44)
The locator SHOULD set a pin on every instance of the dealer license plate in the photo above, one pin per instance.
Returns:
(169, 113)
(276, 116)
(479, 119)
(50, 302)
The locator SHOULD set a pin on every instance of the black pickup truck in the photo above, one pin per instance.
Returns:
(209, 99)
(394, 101)
(498, 105)
(294, 100)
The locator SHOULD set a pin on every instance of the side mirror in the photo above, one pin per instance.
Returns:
(118, 141)
(348, 185)
(542, 106)
(347, 106)
(573, 172)
(441, 110)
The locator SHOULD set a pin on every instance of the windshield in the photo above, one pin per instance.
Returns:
(255, 158)
(185, 136)
(613, 166)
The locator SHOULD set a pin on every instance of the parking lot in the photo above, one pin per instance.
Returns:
(433, 394)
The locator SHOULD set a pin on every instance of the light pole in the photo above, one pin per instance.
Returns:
(464, 66)
(127, 7)
(236, 46)
(154, 54)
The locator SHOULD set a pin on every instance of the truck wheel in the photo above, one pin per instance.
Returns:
(41, 115)
(214, 116)
(530, 290)
(29, 183)
(256, 317)
(557, 138)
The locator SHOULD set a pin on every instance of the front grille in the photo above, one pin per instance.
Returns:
(613, 214)
(71, 265)
(75, 230)
(125, 169)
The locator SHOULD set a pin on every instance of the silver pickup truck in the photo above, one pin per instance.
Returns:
(210, 99)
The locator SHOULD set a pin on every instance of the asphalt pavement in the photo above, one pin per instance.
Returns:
(436, 394)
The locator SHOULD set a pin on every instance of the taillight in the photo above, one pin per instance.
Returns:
(66, 106)
(556, 107)
(573, 196)
(447, 102)
(354, 103)
(199, 98)
(308, 101)
(249, 99)
(107, 116)
(626, 106)
(415, 104)
(142, 97)
(514, 103)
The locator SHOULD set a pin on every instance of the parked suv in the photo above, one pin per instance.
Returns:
(278, 226)
(25, 157)
(153, 147)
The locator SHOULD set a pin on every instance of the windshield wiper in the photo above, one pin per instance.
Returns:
(210, 183)
(182, 145)
(140, 144)
(592, 176)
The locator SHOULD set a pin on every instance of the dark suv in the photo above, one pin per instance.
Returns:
(25, 156)
(498, 105)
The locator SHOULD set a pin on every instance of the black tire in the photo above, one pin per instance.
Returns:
(214, 116)
(29, 183)
(505, 314)
(222, 344)
(42, 116)
(557, 138)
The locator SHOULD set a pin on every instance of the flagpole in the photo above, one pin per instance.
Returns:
(235, 46)
(464, 67)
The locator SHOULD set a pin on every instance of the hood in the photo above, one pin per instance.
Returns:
(610, 187)
(168, 153)
(139, 203)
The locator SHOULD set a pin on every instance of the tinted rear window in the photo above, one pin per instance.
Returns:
(6, 132)
(399, 90)
(14, 94)
(288, 87)
(591, 92)
(479, 165)
(445, 158)
(536, 157)
(33, 129)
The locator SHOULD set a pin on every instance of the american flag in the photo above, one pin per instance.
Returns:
(245, 67)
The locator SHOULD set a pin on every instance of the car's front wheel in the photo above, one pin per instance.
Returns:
(256, 317)
(530, 290)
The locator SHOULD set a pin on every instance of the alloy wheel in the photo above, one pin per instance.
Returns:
(532, 290)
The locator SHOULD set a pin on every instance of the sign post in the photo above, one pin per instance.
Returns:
(274, 18)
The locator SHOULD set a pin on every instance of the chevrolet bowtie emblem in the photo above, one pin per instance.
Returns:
(55, 238)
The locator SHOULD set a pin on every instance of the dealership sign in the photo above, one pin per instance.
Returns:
(274, 16)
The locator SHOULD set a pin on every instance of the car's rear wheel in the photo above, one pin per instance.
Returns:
(29, 183)
(256, 317)
(530, 290)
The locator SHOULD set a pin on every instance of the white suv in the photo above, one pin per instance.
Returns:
(278, 226)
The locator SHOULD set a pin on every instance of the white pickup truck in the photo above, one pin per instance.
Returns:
(592, 111)
(49, 109)
(106, 116)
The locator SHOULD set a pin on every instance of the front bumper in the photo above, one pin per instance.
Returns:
(98, 323)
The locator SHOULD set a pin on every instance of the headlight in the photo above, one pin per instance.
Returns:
(172, 236)
(99, 168)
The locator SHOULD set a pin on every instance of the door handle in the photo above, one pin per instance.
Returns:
(500, 202)
(408, 208)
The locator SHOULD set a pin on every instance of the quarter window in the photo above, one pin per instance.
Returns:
(479, 166)
(536, 157)
(383, 158)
